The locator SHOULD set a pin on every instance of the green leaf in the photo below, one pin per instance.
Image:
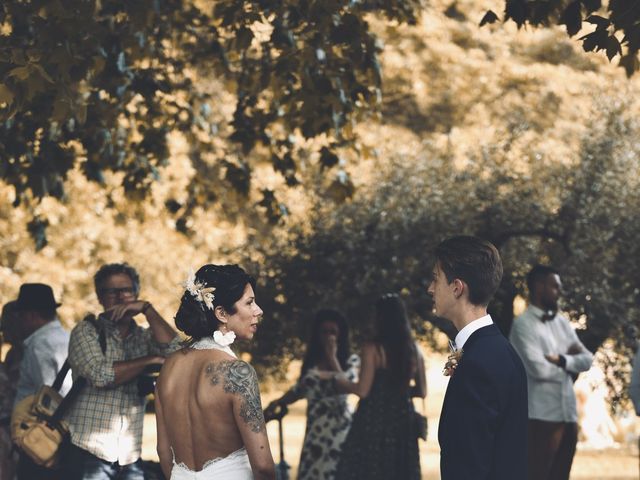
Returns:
(592, 5)
(18, 57)
(595, 40)
(613, 47)
(328, 158)
(6, 95)
(599, 21)
(572, 18)
(243, 38)
(81, 113)
(517, 11)
(342, 188)
(38, 230)
(489, 18)
(630, 63)
(60, 109)
(22, 73)
(42, 72)
(274, 209)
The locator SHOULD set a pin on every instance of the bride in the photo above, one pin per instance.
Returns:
(208, 410)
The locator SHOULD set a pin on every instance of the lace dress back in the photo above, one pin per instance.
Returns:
(234, 466)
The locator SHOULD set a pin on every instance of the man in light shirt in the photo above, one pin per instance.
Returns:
(45, 342)
(45, 347)
(553, 356)
(483, 425)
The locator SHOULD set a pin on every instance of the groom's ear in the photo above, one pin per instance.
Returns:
(220, 314)
(458, 287)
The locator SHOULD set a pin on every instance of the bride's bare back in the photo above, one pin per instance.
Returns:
(208, 406)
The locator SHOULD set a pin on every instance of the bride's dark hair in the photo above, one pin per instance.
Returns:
(194, 318)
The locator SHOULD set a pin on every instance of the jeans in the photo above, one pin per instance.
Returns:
(79, 464)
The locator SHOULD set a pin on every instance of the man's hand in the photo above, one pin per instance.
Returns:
(555, 359)
(330, 344)
(128, 310)
(156, 360)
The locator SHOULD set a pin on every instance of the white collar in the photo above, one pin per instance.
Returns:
(464, 334)
(42, 331)
(539, 312)
(208, 343)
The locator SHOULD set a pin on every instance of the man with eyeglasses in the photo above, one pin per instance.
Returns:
(111, 352)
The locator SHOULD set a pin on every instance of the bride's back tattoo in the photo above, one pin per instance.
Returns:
(239, 378)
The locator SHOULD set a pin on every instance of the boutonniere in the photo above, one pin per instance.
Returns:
(452, 360)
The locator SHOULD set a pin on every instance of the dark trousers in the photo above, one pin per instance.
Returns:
(29, 470)
(551, 447)
(78, 464)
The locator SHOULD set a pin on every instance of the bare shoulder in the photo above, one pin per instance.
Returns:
(232, 374)
(239, 379)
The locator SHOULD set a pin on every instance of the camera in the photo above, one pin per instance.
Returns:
(147, 380)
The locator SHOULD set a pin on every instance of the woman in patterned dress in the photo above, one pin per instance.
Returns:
(328, 415)
(383, 440)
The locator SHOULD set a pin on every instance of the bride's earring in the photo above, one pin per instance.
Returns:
(224, 336)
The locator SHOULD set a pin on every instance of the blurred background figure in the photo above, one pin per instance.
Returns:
(46, 342)
(553, 356)
(328, 415)
(9, 373)
(46, 345)
(383, 441)
(634, 387)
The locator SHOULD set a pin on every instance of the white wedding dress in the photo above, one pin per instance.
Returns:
(234, 466)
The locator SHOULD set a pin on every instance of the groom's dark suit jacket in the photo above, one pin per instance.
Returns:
(483, 425)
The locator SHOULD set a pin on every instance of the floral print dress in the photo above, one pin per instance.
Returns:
(328, 422)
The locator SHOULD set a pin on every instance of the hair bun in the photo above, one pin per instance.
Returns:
(194, 317)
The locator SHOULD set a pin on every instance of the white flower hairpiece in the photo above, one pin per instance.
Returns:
(199, 291)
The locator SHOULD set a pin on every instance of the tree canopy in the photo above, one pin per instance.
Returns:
(259, 130)
(99, 85)
(617, 27)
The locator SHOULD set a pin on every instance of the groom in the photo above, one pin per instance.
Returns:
(483, 424)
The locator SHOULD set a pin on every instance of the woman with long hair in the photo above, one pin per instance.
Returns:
(383, 440)
(328, 415)
(209, 417)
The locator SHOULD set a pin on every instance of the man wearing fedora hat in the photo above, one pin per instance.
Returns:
(46, 342)
(45, 349)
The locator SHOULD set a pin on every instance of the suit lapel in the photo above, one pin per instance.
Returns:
(489, 330)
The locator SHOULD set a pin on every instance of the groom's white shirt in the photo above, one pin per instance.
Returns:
(464, 334)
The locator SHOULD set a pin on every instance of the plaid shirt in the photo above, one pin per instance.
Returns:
(106, 419)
